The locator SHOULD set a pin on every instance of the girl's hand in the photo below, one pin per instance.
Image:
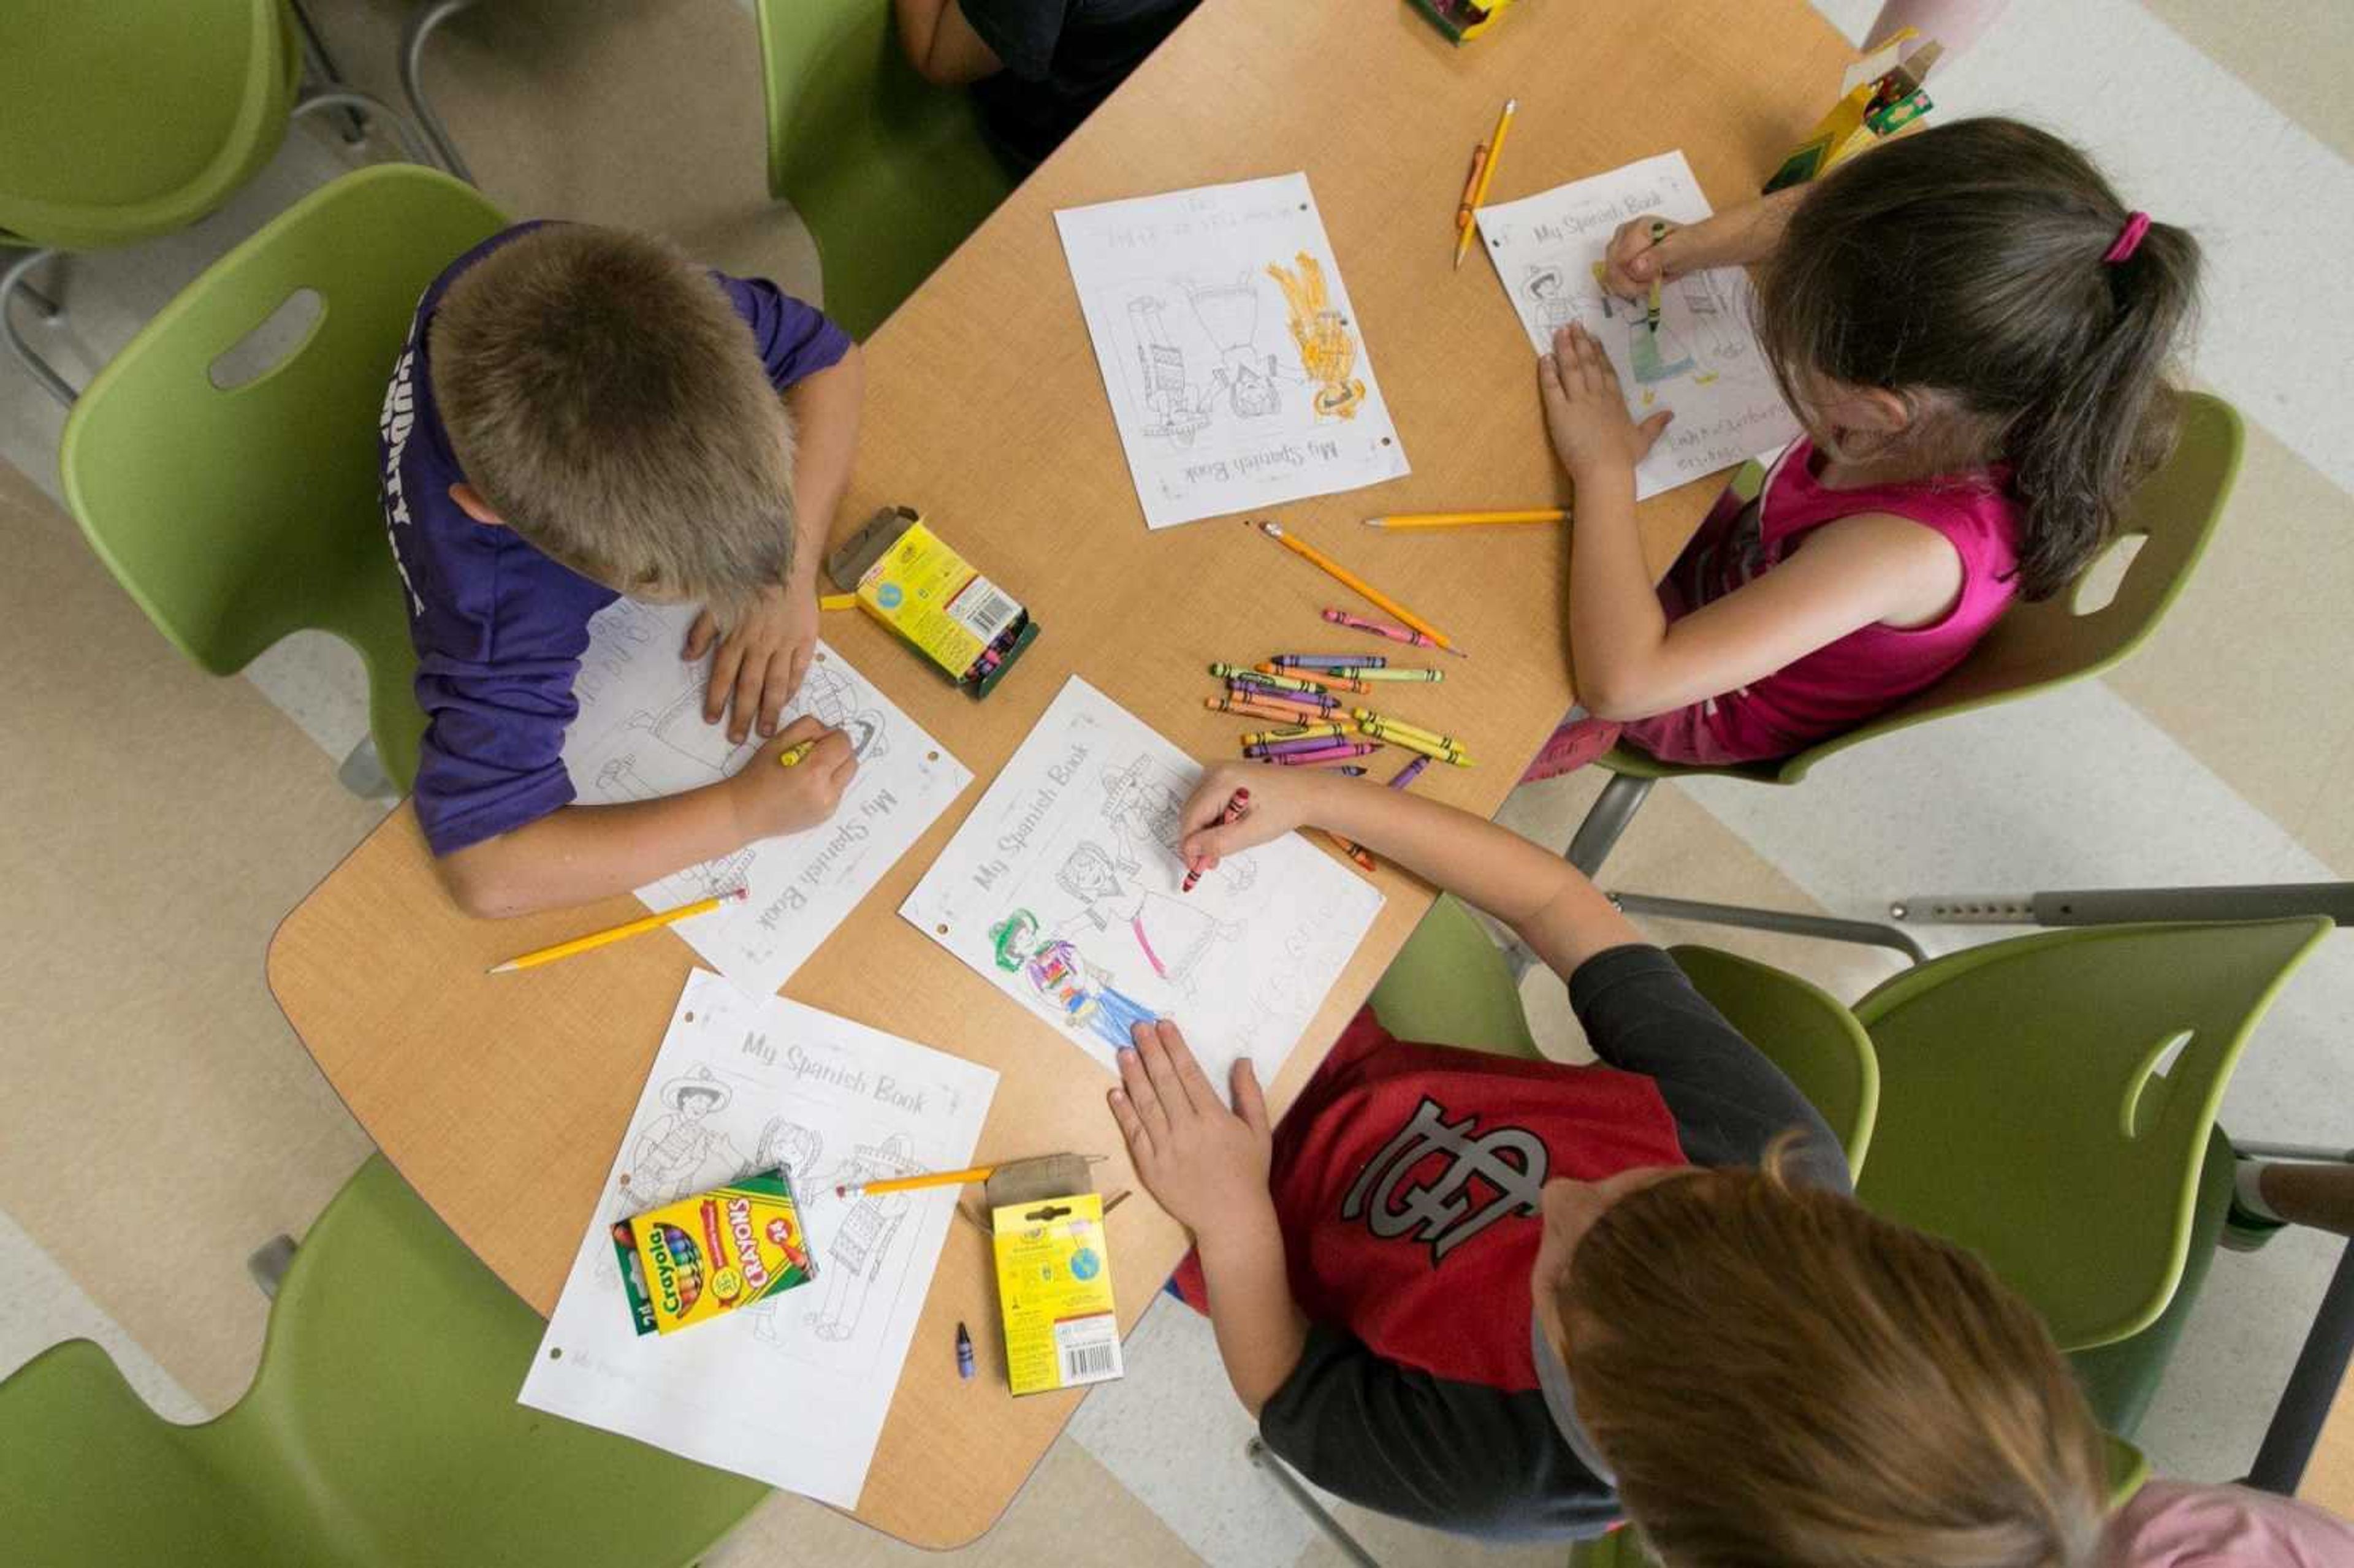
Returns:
(1592, 433)
(1278, 805)
(1633, 259)
(1203, 1163)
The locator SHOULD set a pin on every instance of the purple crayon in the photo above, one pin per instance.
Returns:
(1328, 661)
(1305, 743)
(1300, 700)
(1321, 754)
(1409, 773)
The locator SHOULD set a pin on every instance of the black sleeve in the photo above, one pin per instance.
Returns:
(1453, 1456)
(1022, 32)
(1642, 1014)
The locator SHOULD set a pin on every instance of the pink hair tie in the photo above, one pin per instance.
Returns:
(2128, 239)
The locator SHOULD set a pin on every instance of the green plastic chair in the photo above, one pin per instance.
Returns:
(126, 121)
(889, 172)
(381, 1428)
(2036, 648)
(1450, 984)
(2023, 1113)
(235, 518)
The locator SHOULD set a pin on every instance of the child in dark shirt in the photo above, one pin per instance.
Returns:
(1513, 1297)
(1037, 67)
(581, 413)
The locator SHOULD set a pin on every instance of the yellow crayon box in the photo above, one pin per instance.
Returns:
(1054, 1290)
(688, 1262)
(907, 578)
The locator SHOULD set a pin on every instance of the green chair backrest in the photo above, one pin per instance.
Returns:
(889, 172)
(2024, 1113)
(235, 518)
(2038, 647)
(381, 1429)
(1801, 1029)
(136, 118)
(1451, 985)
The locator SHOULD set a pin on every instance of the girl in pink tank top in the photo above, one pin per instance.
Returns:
(1973, 331)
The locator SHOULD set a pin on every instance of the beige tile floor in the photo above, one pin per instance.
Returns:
(159, 822)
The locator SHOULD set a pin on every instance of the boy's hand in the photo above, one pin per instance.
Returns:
(1199, 1160)
(771, 799)
(1276, 806)
(1632, 260)
(1586, 411)
(759, 665)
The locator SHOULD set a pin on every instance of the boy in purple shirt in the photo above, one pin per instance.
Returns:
(578, 413)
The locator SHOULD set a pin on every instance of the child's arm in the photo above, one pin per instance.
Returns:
(941, 45)
(1208, 1167)
(584, 853)
(1544, 899)
(759, 665)
(1737, 237)
(1629, 661)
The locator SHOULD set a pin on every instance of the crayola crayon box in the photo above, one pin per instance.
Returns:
(688, 1262)
(1053, 1287)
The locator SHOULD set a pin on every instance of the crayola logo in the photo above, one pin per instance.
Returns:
(677, 1268)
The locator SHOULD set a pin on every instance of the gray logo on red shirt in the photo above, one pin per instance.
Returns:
(1447, 1212)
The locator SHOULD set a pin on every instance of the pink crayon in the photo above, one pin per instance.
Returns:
(1394, 633)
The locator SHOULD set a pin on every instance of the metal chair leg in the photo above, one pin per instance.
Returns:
(1605, 820)
(383, 113)
(12, 283)
(1259, 1454)
(323, 65)
(421, 25)
(1791, 925)
(2312, 1388)
(2122, 905)
(362, 772)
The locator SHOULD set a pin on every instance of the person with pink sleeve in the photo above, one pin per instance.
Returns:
(2178, 1524)
(1974, 332)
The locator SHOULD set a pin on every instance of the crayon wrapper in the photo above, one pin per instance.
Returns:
(710, 1253)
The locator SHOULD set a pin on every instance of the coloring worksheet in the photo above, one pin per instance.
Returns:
(1062, 890)
(640, 733)
(1236, 369)
(1703, 361)
(792, 1390)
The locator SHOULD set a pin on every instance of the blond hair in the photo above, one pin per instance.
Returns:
(604, 397)
(1780, 1377)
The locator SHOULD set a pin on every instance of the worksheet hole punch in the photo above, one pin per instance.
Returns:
(931, 757)
(555, 1352)
(943, 930)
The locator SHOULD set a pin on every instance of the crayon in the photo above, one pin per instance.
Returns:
(1355, 851)
(1410, 772)
(1236, 804)
(1348, 771)
(1328, 661)
(1277, 680)
(1362, 675)
(1298, 743)
(1366, 716)
(1355, 583)
(1651, 316)
(1256, 710)
(1339, 752)
(1304, 680)
(1479, 196)
(1296, 731)
(1316, 703)
(1379, 629)
(1416, 743)
(964, 1355)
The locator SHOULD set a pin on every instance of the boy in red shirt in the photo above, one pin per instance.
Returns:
(1519, 1298)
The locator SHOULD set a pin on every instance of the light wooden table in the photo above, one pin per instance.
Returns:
(985, 408)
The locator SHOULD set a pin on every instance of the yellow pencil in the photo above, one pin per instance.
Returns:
(916, 1183)
(1487, 174)
(1468, 519)
(837, 601)
(1355, 583)
(599, 938)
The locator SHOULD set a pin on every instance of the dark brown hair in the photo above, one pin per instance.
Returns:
(604, 397)
(1966, 260)
(1782, 1378)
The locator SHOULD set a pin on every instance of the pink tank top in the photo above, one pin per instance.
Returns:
(1870, 670)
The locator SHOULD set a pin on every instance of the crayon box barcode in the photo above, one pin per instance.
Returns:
(1089, 1349)
(983, 608)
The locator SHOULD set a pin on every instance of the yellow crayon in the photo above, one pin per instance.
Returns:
(1309, 680)
(1392, 673)
(1296, 732)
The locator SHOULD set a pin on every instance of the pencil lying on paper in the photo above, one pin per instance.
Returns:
(1467, 519)
(1350, 580)
(914, 1183)
(599, 938)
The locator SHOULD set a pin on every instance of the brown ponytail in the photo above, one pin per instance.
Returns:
(1966, 260)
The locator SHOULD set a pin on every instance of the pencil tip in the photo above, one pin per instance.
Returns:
(1377, 522)
(498, 969)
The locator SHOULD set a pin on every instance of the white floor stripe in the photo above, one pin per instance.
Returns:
(40, 1305)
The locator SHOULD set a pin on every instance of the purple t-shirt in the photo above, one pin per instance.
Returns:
(499, 627)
